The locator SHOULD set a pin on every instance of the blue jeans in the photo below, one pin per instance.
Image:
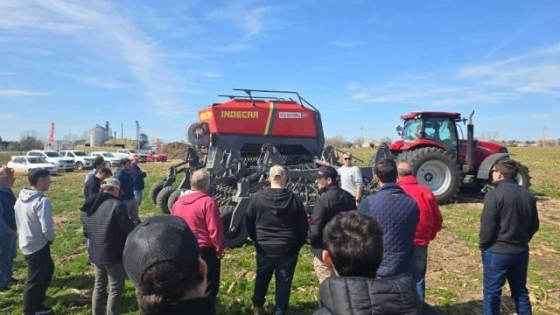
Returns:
(496, 269)
(283, 268)
(138, 196)
(420, 266)
(7, 254)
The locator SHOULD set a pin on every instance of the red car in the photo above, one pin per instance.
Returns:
(153, 156)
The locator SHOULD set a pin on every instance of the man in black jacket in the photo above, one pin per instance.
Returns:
(333, 201)
(277, 223)
(508, 222)
(354, 249)
(107, 225)
(93, 183)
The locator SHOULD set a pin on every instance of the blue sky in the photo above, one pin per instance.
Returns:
(362, 63)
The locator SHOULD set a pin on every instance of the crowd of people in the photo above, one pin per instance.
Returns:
(369, 253)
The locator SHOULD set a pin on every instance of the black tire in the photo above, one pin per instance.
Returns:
(154, 191)
(162, 198)
(435, 169)
(233, 239)
(79, 166)
(173, 198)
(523, 178)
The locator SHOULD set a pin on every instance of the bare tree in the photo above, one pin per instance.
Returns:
(70, 137)
(29, 134)
(85, 135)
(337, 141)
(359, 141)
(386, 139)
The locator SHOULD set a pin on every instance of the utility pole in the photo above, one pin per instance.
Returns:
(137, 135)
(543, 136)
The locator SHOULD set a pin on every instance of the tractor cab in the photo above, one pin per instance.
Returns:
(435, 129)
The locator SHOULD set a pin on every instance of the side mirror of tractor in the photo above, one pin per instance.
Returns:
(399, 129)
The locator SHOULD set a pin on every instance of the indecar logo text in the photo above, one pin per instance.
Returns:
(239, 114)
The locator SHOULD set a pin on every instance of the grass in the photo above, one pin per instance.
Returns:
(454, 270)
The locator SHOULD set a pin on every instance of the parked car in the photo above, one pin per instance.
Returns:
(81, 159)
(23, 164)
(109, 158)
(128, 153)
(62, 163)
(153, 156)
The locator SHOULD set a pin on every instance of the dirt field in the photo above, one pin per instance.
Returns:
(455, 268)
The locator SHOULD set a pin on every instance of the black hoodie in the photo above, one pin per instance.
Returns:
(106, 224)
(277, 222)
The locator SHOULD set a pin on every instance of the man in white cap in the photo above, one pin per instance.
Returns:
(277, 223)
(107, 225)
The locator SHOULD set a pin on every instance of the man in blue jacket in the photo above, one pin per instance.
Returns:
(137, 179)
(8, 228)
(398, 215)
(127, 187)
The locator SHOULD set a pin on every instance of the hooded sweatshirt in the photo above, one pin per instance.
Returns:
(34, 221)
(107, 225)
(277, 222)
(203, 217)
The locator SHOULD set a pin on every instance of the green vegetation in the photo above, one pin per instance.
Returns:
(454, 272)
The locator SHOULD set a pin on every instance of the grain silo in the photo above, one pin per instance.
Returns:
(97, 136)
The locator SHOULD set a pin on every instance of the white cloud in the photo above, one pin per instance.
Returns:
(103, 83)
(22, 93)
(249, 19)
(8, 116)
(535, 72)
(101, 27)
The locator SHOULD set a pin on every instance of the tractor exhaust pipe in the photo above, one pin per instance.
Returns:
(470, 142)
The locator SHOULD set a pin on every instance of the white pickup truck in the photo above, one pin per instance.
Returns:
(128, 153)
(81, 159)
(62, 163)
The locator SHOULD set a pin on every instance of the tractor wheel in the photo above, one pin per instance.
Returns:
(162, 198)
(173, 198)
(232, 239)
(154, 191)
(435, 169)
(523, 178)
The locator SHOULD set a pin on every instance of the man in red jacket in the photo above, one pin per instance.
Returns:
(202, 215)
(428, 226)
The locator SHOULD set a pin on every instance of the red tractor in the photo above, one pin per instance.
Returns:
(441, 160)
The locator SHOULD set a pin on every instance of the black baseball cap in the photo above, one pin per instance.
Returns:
(159, 239)
(327, 171)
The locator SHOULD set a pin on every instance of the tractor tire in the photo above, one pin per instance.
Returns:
(162, 198)
(233, 239)
(173, 198)
(523, 178)
(154, 191)
(435, 169)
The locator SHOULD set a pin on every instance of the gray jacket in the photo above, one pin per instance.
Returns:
(34, 221)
